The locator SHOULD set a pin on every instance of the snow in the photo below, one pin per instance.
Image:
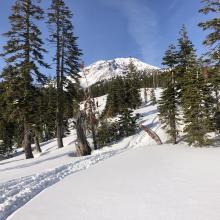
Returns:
(132, 179)
(149, 182)
(105, 70)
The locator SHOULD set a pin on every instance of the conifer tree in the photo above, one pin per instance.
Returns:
(67, 55)
(23, 54)
(48, 112)
(168, 104)
(132, 94)
(153, 99)
(212, 40)
(127, 123)
(7, 127)
(190, 79)
(116, 97)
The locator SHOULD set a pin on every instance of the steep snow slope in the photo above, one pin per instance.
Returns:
(105, 70)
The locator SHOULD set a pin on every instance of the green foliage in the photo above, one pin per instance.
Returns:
(123, 93)
(6, 138)
(192, 87)
(213, 24)
(153, 99)
(110, 132)
(127, 123)
(107, 133)
(169, 100)
(145, 80)
(217, 121)
(115, 98)
(194, 118)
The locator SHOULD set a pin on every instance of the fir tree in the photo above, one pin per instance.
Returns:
(107, 133)
(116, 97)
(132, 94)
(67, 55)
(212, 42)
(190, 79)
(213, 38)
(168, 104)
(153, 99)
(7, 127)
(23, 54)
(127, 123)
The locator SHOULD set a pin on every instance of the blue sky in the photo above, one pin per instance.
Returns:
(121, 28)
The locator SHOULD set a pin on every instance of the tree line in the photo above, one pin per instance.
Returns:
(190, 101)
(35, 108)
(29, 110)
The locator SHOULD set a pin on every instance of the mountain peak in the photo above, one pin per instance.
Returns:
(104, 70)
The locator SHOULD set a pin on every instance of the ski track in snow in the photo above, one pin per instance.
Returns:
(16, 193)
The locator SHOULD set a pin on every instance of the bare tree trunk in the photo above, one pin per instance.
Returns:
(59, 120)
(82, 148)
(93, 122)
(145, 95)
(94, 137)
(26, 74)
(37, 144)
(27, 142)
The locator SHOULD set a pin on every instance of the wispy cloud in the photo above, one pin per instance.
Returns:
(142, 25)
(172, 5)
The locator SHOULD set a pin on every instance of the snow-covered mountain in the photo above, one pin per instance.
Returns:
(108, 69)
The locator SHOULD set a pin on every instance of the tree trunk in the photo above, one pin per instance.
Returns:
(37, 144)
(82, 148)
(92, 122)
(59, 120)
(27, 142)
(94, 137)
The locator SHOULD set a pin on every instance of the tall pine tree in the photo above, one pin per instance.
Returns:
(23, 54)
(67, 55)
(212, 40)
(169, 101)
(191, 97)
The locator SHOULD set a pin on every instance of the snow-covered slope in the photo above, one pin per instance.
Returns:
(147, 183)
(132, 179)
(105, 70)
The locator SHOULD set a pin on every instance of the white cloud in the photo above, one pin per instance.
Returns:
(173, 4)
(142, 25)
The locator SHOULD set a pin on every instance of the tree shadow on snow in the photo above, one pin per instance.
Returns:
(33, 163)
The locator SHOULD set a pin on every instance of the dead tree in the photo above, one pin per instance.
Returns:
(152, 134)
(90, 111)
(82, 146)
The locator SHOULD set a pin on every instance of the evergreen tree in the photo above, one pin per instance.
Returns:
(132, 97)
(116, 97)
(48, 112)
(124, 92)
(67, 55)
(212, 42)
(127, 123)
(213, 38)
(168, 104)
(190, 79)
(7, 127)
(153, 99)
(107, 133)
(23, 54)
